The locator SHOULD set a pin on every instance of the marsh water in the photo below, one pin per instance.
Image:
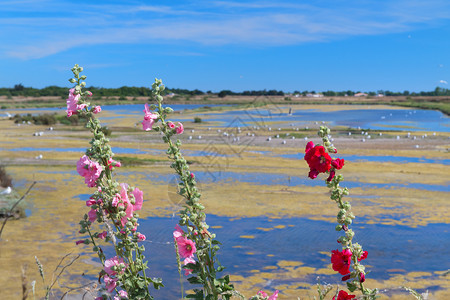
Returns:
(266, 212)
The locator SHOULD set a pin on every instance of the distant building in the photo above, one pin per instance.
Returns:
(379, 95)
(360, 95)
(314, 95)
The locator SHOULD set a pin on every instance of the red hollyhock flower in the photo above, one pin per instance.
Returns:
(343, 296)
(363, 256)
(318, 159)
(337, 163)
(346, 277)
(341, 261)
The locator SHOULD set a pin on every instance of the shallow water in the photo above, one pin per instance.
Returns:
(260, 242)
(377, 158)
(303, 235)
(371, 118)
(258, 178)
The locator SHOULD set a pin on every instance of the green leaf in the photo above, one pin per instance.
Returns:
(351, 286)
(195, 280)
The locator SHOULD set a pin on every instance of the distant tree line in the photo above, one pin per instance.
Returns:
(20, 90)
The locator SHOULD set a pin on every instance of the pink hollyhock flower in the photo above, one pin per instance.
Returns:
(186, 247)
(92, 214)
(83, 165)
(72, 103)
(89, 93)
(115, 261)
(178, 232)
(362, 277)
(89, 169)
(188, 261)
(262, 294)
(171, 125)
(110, 283)
(179, 129)
(149, 119)
(128, 214)
(363, 256)
(113, 163)
(138, 199)
(343, 295)
(97, 109)
(80, 242)
(90, 202)
(337, 163)
(341, 261)
(115, 200)
(318, 159)
(274, 296)
(102, 235)
(123, 294)
(124, 192)
(141, 237)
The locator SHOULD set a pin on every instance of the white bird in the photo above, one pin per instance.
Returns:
(6, 191)
(284, 142)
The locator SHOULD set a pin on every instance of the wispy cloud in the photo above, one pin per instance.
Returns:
(213, 23)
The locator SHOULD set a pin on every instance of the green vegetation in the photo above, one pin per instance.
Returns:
(443, 106)
(48, 119)
(197, 120)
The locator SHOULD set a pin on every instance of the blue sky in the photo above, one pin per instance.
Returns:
(238, 45)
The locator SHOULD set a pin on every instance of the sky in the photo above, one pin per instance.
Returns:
(287, 45)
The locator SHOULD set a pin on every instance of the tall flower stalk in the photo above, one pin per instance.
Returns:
(113, 206)
(195, 243)
(319, 161)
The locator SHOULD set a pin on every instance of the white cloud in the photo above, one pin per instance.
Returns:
(214, 23)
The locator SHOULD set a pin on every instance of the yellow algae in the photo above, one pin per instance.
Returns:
(237, 246)
(284, 263)
(216, 226)
(279, 226)
(418, 274)
(264, 229)
(270, 255)
(250, 253)
(247, 236)
(270, 268)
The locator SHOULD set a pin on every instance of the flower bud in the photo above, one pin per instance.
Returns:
(72, 80)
